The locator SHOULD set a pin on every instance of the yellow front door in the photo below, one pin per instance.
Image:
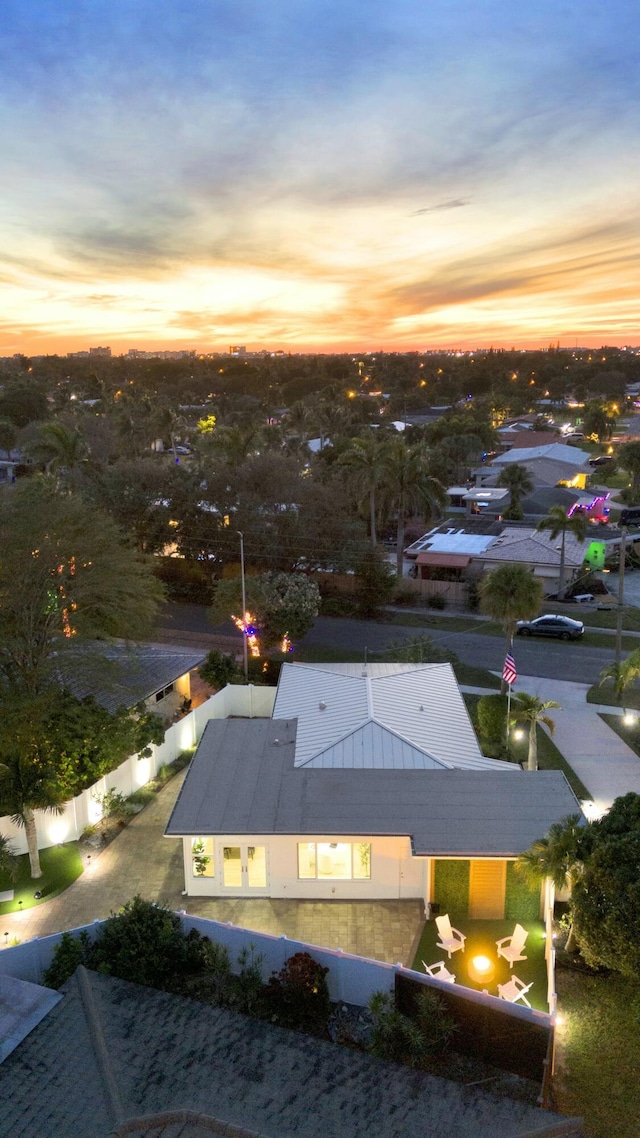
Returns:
(487, 882)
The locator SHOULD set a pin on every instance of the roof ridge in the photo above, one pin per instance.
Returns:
(383, 727)
(113, 1101)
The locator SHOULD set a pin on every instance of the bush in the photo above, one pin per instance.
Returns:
(298, 995)
(411, 1040)
(492, 721)
(437, 601)
(69, 953)
(219, 669)
(142, 943)
(337, 605)
(375, 583)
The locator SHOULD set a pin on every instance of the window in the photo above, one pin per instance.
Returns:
(202, 857)
(334, 861)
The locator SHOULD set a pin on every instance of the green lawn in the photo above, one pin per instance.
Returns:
(440, 622)
(604, 694)
(629, 733)
(475, 677)
(61, 865)
(549, 757)
(481, 940)
(598, 1056)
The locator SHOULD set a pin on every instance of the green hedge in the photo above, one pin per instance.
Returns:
(451, 886)
(521, 902)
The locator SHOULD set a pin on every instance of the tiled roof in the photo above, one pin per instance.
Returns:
(115, 1052)
(557, 452)
(420, 703)
(536, 547)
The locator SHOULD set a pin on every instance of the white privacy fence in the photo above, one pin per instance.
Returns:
(134, 772)
(352, 979)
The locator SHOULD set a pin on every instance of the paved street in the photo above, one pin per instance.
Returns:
(552, 659)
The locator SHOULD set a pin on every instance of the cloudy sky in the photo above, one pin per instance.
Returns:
(318, 174)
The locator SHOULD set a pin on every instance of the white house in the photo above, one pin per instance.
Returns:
(367, 783)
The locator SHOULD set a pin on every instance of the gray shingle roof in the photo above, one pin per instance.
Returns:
(121, 675)
(166, 1053)
(242, 780)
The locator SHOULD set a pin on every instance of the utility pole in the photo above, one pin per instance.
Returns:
(623, 558)
(245, 654)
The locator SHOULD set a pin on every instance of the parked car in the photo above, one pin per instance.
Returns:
(562, 627)
(182, 450)
(601, 460)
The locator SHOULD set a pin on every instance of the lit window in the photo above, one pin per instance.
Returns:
(334, 861)
(202, 857)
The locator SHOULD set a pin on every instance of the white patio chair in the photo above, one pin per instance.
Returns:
(450, 939)
(510, 947)
(439, 971)
(515, 990)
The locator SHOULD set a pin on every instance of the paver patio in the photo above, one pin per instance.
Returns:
(141, 860)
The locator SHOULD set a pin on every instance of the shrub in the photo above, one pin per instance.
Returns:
(492, 721)
(69, 953)
(437, 601)
(411, 1040)
(142, 943)
(219, 669)
(114, 805)
(298, 995)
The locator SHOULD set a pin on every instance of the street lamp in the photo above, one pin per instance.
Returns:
(245, 657)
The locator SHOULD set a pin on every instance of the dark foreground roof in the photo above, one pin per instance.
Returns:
(112, 1052)
(242, 781)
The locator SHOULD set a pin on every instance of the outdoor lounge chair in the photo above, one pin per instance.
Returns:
(439, 971)
(515, 990)
(510, 947)
(450, 939)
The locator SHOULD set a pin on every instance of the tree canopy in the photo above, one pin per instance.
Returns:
(280, 604)
(66, 577)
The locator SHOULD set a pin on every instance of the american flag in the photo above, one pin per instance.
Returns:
(509, 673)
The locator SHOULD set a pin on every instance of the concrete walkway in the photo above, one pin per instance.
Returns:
(603, 762)
(141, 860)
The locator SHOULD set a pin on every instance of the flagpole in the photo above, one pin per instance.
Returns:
(508, 713)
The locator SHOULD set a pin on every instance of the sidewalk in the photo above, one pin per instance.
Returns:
(604, 763)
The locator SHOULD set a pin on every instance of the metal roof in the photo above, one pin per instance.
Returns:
(558, 452)
(420, 703)
(242, 780)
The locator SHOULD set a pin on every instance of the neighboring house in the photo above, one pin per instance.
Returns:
(447, 554)
(479, 501)
(550, 465)
(367, 783)
(120, 675)
(515, 438)
(116, 1058)
(535, 548)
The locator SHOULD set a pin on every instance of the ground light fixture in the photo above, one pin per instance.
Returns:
(629, 719)
(518, 735)
(481, 969)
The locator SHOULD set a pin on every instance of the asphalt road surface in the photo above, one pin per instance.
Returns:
(553, 659)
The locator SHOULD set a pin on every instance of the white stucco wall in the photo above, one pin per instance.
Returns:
(254, 702)
(395, 874)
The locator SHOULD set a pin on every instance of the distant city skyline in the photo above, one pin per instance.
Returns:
(318, 176)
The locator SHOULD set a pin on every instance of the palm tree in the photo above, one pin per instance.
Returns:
(559, 523)
(532, 710)
(621, 675)
(508, 594)
(408, 486)
(365, 460)
(518, 482)
(26, 785)
(60, 449)
(557, 856)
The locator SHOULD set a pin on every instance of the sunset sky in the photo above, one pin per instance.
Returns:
(318, 174)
